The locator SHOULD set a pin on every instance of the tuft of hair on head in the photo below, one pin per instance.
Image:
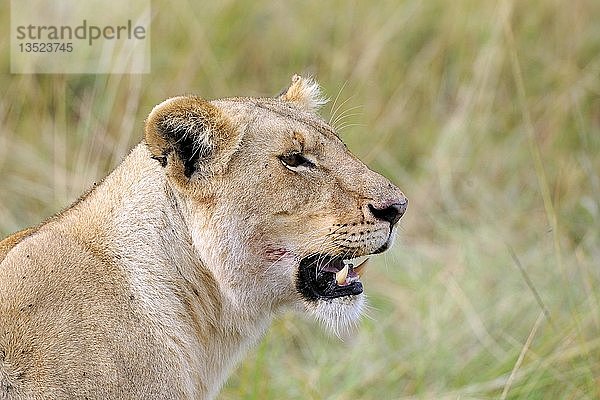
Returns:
(305, 93)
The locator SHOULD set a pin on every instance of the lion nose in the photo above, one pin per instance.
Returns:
(390, 213)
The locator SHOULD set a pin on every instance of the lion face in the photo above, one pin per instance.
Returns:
(279, 210)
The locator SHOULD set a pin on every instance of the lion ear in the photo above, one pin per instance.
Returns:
(305, 93)
(189, 136)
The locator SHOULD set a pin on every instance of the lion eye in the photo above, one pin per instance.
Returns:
(296, 162)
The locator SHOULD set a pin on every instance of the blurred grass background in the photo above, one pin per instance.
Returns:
(487, 115)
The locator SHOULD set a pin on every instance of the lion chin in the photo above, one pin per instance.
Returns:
(155, 282)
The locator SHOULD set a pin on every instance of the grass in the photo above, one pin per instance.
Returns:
(487, 114)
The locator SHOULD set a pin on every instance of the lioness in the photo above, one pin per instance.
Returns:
(154, 283)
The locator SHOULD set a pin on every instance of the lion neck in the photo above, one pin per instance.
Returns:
(186, 305)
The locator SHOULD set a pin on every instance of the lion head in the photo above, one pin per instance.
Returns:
(279, 210)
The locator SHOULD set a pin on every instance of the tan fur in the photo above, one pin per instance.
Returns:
(155, 284)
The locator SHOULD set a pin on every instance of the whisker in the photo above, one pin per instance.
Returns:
(338, 108)
(333, 108)
(346, 126)
(345, 114)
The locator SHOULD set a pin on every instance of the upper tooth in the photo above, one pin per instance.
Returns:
(341, 275)
(359, 268)
(356, 261)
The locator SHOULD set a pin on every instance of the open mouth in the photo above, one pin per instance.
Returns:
(321, 276)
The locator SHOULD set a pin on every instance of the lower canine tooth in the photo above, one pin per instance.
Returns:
(359, 268)
(341, 275)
